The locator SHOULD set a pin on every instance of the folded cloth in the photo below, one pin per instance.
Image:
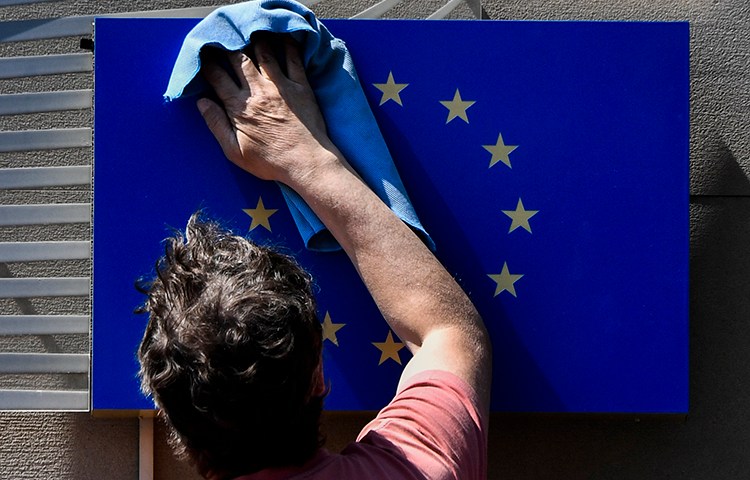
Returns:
(330, 71)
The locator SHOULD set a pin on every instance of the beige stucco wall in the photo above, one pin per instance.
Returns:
(713, 443)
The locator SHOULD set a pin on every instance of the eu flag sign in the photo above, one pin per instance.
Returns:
(548, 160)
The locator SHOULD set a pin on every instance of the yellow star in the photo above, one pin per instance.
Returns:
(520, 217)
(505, 281)
(389, 349)
(457, 107)
(260, 215)
(390, 90)
(500, 151)
(330, 329)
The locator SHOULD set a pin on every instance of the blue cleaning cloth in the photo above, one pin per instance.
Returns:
(330, 71)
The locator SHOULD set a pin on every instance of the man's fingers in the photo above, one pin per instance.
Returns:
(294, 65)
(267, 63)
(217, 121)
(221, 82)
(237, 59)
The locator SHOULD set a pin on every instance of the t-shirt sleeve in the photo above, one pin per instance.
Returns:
(433, 423)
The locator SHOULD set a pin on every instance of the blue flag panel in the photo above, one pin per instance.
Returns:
(549, 161)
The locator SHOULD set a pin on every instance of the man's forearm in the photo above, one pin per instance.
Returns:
(412, 289)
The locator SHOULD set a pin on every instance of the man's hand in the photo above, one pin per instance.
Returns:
(270, 125)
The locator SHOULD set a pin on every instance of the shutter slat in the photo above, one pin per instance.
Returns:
(69, 400)
(45, 28)
(52, 214)
(18, 363)
(7, 3)
(21, 103)
(38, 177)
(45, 287)
(39, 251)
(44, 324)
(16, 67)
(26, 140)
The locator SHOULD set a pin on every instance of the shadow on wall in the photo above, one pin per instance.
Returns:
(713, 441)
(715, 170)
(102, 448)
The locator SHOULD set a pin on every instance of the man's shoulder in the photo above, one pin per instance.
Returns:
(434, 424)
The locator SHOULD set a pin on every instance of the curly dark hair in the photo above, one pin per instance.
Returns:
(232, 352)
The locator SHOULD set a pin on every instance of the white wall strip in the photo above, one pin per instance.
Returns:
(377, 10)
(24, 140)
(20, 103)
(443, 11)
(44, 363)
(45, 287)
(70, 400)
(44, 324)
(15, 67)
(51, 214)
(146, 448)
(38, 177)
(38, 251)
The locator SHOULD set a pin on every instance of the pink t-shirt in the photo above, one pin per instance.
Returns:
(431, 430)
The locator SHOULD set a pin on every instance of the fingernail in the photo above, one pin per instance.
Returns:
(202, 105)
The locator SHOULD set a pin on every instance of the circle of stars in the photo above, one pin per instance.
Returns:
(500, 153)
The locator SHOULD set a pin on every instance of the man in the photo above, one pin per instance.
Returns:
(231, 354)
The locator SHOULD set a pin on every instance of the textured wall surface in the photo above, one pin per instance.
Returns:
(712, 443)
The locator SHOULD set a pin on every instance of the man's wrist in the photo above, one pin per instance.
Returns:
(320, 164)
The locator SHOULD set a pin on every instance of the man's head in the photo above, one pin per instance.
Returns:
(231, 353)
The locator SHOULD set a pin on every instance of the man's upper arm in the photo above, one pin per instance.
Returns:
(464, 354)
